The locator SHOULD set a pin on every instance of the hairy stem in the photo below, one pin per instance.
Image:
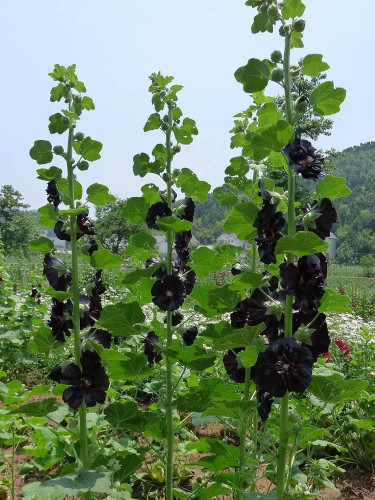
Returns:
(169, 365)
(284, 404)
(75, 288)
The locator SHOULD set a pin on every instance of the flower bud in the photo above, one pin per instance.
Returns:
(65, 121)
(281, 31)
(276, 56)
(263, 7)
(83, 165)
(165, 118)
(58, 150)
(299, 25)
(295, 70)
(272, 11)
(176, 149)
(301, 104)
(79, 136)
(165, 177)
(164, 127)
(176, 172)
(277, 75)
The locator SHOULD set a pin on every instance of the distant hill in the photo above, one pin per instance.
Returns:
(356, 223)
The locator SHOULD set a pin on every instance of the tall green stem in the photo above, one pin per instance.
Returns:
(75, 288)
(169, 365)
(284, 405)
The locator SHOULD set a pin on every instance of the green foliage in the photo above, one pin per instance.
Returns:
(367, 262)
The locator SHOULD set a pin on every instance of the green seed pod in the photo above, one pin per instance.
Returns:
(79, 136)
(165, 177)
(83, 165)
(295, 70)
(272, 11)
(276, 56)
(277, 75)
(299, 25)
(176, 172)
(301, 104)
(58, 150)
(281, 31)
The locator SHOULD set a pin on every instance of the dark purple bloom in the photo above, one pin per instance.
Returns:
(100, 336)
(53, 195)
(187, 210)
(177, 317)
(93, 247)
(305, 159)
(306, 281)
(168, 293)
(181, 246)
(152, 348)
(190, 334)
(187, 276)
(320, 340)
(286, 365)
(88, 383)
(58, 276)
(265, 400)
(60, 320)
(84, 224)
(269, 224)
(155, 212)
(236, 269)
(233, 365)
(60, 232)
(321, 225)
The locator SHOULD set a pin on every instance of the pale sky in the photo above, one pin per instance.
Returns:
(117, 44)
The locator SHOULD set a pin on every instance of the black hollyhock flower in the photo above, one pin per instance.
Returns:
(253, 311)
(236, 269)
(60, 320)
(286, 365)
(190, 334)
(265, 400)
(53, 194)
(152, 348)
(306, 281)
(305, 159)
(60, 232)
(187, 276)
(181, 246)
(320, 340)
(57, 275)
(100, 336)
(155, 212)
(322, 224)
(34, 292)
(231, 363)
(269, 224)
(93, 247)
(88, 383)
(168, 293)
(84, 224)
(177, 317)
(151, 261)
(188, 209)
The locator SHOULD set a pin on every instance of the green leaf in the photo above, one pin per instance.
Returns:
(43, 341)
(175, 224)
(238, 166)
(292, 9)
(205, 261)
(57, 294)
(313, 65)
(135, 276)
(240, 220)
(118, 414)
(332, 388)
(41, 152)
(297, 42)
(87, 103)
(332, 187)
(141, 246)
(151, 193)
(249, 356)
(42, 245)
(262, 23)
(99, 195)
(83, 482)
(326, 100)
(105, 259)
(143, 166)
(244, 337)
(57, 92)
(58, 123)
(303, 243)
(334, 302)
(154, 121)
(134, 368)
(49, 174)
(254, 76)
(36, 409)
(135, 209)
(63, 188)
(182, 135)
(195, 357)
(273, 138)
(269, 114)
(191, 186)
(223, 299)
(89, 149)
(120, 319)
(246, 280)
(48, 216)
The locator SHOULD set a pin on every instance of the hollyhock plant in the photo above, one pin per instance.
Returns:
(305, 160)
(169, 293)
(286, 365)
(89, 383)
